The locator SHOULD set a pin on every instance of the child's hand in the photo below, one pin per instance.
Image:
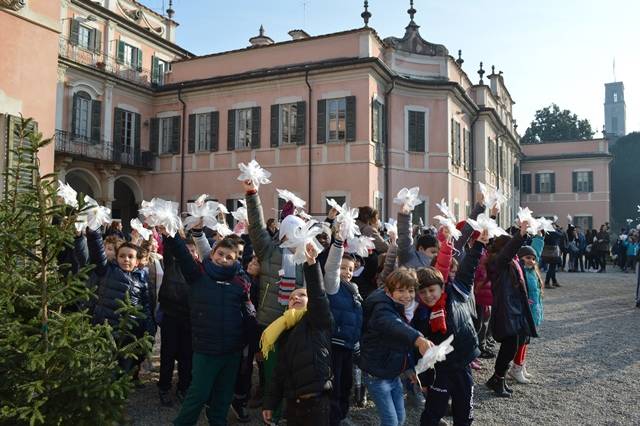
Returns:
(405, 209)
(311, 254)
(494, 211)
(266, 416)
(484, 237)
(393, 238)
(249, 186)
(423, 345)
(523, 227)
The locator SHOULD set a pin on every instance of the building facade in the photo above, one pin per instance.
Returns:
(615, 110)
(568, 178)
(345, 115)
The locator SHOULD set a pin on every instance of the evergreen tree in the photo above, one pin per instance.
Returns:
(57, 368)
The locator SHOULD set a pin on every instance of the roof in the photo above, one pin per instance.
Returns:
(567, 141)
(577, 156)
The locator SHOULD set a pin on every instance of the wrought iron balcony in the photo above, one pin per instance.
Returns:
(101, 151)
(106, 63)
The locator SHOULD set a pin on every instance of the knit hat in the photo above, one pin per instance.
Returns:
(527, 251)
(289, 224)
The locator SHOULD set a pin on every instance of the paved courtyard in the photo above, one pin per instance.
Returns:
(586, 365)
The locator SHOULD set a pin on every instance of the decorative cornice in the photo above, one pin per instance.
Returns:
(14, 5)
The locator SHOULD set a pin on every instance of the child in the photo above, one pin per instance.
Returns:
(426, 248)
(303, 368)
(511, 319)
(111, 244)
(444, 310)
(220, 312)
(528, 258)
(484, 300)
(386, 342)
(346, 308)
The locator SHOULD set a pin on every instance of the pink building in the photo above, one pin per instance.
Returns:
(346, 115)
(568, 178)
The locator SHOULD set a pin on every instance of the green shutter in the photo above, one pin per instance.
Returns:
(351, 118)
(97, 41)
(120, 57)
(74, 109)
(301, 123)
(275, 126)
(322, 121)
(590, 181)
(420, 131)
(574, 181)
(215, 125)
(137, 121)
(96, 115)
(537, 183)
(118, 142)
(154, 135)
(74, 32)
(231, 130)
(155, 72)
(175, 135)
(412, 130)
(138, 64)
(553, 183)
(192, 134)
(255, 127)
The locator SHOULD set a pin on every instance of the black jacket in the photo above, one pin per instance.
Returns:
(174, 291)
(304, 352)
(459, 320)
(387, 339)
(114, 285)
(510, 314)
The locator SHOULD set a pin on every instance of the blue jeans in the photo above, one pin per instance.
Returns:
(387, 394)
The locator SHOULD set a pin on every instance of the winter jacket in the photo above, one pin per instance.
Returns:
(174, 291)
(443, 259)
(366, 281)
(345, 301)
(270, 256)
(534, 291)
(458, 315)
(408, 256)
(481, 283)
(304, 352)
(114, 285)
(369, 231)
(510, 312)
(387, 339)
(602, 245)
(551, 249)
(218, 299)
(537, 243)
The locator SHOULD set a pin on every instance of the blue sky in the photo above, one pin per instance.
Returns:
(558, 51)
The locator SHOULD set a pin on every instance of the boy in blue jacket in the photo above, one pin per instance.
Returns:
(219, 301)
(444, 311)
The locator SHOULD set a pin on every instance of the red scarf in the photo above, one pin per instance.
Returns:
(438, 318)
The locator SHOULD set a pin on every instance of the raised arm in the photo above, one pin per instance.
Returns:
(510, 250)
(332, 267)
(318, 309)
(405, 240)
(379, 243)
(389, 263)
(443, 260)
(189, 267)
(97, 255)
(80, 250)
(260, 238)
(202, 243)
(463, 283)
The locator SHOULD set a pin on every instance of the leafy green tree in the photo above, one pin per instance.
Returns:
(553, 124)
(57, 368)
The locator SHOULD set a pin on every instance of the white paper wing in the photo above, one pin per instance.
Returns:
(223, 229)
(81, 222)
(290, 196)
(629, 221)
(360, 246)
(392, 227)
(569, 218)
(444, 208)
(254, 172)
(137, 225)
(545, 225)
(347, 220)
(434, 355)
(68, 194)
(408, 197)
(450, 225)
(159, 212)
(240, 215)
(334, 204)
(298, 240)
(485, 222)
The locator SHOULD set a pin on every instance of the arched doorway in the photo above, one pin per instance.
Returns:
(84, 182)
(126, 199)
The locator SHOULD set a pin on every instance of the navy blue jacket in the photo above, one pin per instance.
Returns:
(386, 339)
(218, 300)
(114, 285)
(174, 291)
(346, 307)
(458, 319)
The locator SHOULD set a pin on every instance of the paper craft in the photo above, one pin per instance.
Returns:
(569, 218)
(223, 230)
(346, 218)
(408, 198)
(290, 196)
(555, 218)
(68, 194)
(447, 219)
(392, 227)
(81, 222)
(205, 210)
(484, 222)
(159, 212)
(434, 354)
(546, 225)
(140, 229)
(629, 221)
(493, 198)
(298, 240)
(96, 215)
(525, 214)
(240, 215)
(360, 246)
(254, 172)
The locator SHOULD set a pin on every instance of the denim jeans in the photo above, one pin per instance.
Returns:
(387, 394)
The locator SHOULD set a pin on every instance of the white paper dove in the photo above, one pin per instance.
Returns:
(159, 212)
(492, 197)
(254, 172)
(240, 215)
(290, 196)
(545, 225)
(525, 214)
(447, 219)
(555, 218)
(96, 215)
(68, 194)
(408, 198)
(139, 227)
(298, 240)
(629, 221)
(223, 230)
(346, 218)
(484, 222)
(81, 222)
(569, 219)
(638, 208)
(205, 210)
(360, 246)
(434, 354)
(392, 227)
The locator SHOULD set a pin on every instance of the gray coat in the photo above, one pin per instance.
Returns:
(408, 256)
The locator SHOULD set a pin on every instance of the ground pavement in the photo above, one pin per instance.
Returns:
(586, 365)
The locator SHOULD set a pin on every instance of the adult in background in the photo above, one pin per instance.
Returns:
(572, 248)
(582, 247)
(602, 246)
(551, 256)
(369, 223)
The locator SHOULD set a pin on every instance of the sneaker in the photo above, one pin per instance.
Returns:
(239, 409)
(516, 372)
(181, 395)
(165, 399)
(526, 373)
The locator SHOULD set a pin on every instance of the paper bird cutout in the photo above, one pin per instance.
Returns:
(434, 355)
(254, 172)
(68, 194)
(408, 198)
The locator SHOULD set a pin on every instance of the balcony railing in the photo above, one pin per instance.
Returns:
(106, 63)
(84, 148)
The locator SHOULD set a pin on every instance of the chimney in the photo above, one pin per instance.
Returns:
(298, 34)
(261, 39)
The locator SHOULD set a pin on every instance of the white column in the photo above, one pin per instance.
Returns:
(108, 112)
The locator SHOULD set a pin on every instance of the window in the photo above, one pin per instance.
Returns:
(416, 127)
(82, 115)
(492, 155)
(378, 203)
(129, 55)
(340, 199)
(584, 222)
(377, 123)
(166, 132)
(203, 132)
(456, 150)
(467, 150)
(615, 97)
(545, 183)
(243, 128)
(128, 132)
(336, 120)
(583, 181)
(288, 124)
(456, 209)
(526, 183)
(84, 37)
(158, 69)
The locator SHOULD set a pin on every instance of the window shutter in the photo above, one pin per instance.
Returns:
(553, 183)
(215, 125)
(231, 130)
(255, 127)
(322, 121)
(97, 41)
(192, 134)
(74, 32)
(155, 70)
(373, 122)
(139, 59)
(453, 142)
(590, 181)
(351, 118)
(537, 183)
(117, 133)
(574, 181)
(74, 109)
(420, 129)
(120, 57)
(275, 125)
(413, 131)
(301, 121)
(96, 114)
(136, 138)
(175, 135)
(154, 138)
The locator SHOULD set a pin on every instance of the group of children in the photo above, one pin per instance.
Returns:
(311, 328)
